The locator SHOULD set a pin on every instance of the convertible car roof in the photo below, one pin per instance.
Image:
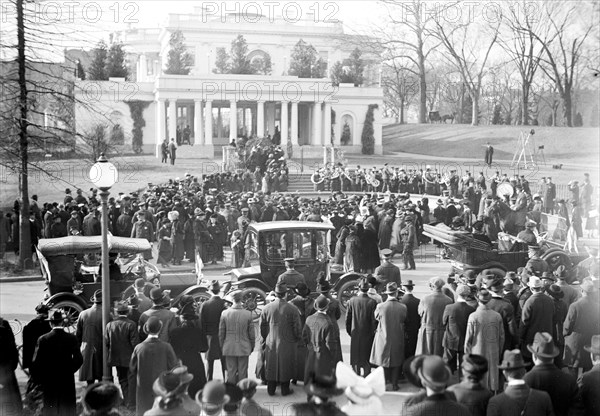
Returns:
(76, 244)
(291, 225)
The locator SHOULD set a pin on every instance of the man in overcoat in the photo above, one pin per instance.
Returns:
(291, 277)
(582, 322)
(387, 272)
(149, 359)
(518, 398)
(537, 315)
(89, 335)
(361, 325)
(455, 318)
(210, 318)
(320, 338)
(237, 338)
(121, 339)
(280, 329)
(504, 308)
(160, 310)
(560, 386)
(431, 311)
(56, 359)
(388, 344)
(413, 320)
(143, 228)
(485, 337)
(589, 382)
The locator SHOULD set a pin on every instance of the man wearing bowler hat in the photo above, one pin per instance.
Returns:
(537, 314)
(160, 309)
(291, 277)
(545, 376)
(321, 340)
(210, 319)
(413, 320)
(280, 329)
(89, 335)
(57, 357)
(589, 382)
(388, 344)
(518, 398)
(361, 325)
(149, 359)
(471, 392)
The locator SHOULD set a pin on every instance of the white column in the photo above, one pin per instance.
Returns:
(172, 119)
(208, 130)
(143, 68)
(160, 125)
(270, 110)
(198, 131)
(327, 124)
(284, 125)
(294, 129)
(260, 119)
(233, 131)
(317, 125)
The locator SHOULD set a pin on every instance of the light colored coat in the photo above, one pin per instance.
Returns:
(431, 333)
(280, 329)
(388, 345)
(236, 332)
(89, 335)
(485, 336)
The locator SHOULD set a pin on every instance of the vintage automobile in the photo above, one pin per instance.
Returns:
(266, 246)
(467, 253)
(74, 259)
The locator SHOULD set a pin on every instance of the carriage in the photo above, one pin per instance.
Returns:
(464, 252)
(266, 246)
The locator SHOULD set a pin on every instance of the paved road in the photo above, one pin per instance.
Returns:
(18, 300)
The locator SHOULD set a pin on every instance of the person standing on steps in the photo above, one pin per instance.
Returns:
(172, 151)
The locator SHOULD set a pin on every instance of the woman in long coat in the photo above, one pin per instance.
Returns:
(388, 344)
(165, 249)
(188, 341)
(340, 245)
(396, 239)
(485, 336)
(177, 237)
(353, 254)
(369, 241)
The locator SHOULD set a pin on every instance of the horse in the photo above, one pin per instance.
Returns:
(507, 217)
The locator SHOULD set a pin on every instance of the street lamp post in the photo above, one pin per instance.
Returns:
(104, 175)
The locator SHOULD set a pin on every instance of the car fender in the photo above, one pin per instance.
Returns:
(345, 278)
(252, 282)
(190, 290)
(59, 297)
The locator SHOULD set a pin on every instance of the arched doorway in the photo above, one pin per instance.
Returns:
(347, 130)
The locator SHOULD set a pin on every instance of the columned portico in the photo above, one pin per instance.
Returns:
(284, 124)
(294, 127)
(327, 123)
(260, 118)
(208, 125)
(172, 119)
(198, 130)
(160, 125)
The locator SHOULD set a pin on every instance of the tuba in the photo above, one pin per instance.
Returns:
(317, 178)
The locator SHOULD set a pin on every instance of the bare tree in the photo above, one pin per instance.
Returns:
(400, 85)
(524, 49)
(469, 51)
(413, 41)
(563, 49)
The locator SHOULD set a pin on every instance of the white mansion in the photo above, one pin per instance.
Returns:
(219, 107)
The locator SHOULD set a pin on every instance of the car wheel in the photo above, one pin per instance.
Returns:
(557, 258)
(346, 292)
(254, 300)
(71, 310)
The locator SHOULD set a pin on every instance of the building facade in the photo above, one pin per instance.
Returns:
(216, 108)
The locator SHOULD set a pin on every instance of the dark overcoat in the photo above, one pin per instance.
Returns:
(89, 335)
(188, 341)
(513, 400)
(474, 396)
(121, 338)
(583, 321)
(10, 396)
(31, 333)
(412, 323)
(456, 316)
(210, 318)
(589, 386)
(280, 329)
(388, 344)
(56, 359)
(361, 326)
(319, 337)
(560, 386)
(306, 308)
(149, 359)
(537, 316)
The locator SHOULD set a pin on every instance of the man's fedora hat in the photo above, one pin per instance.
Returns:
(543, 346)
(281, 288)
(302, 289)
(157, 295)
(97, 296)
(556, 292)
(534, 282)
(548, 276)
(324, 386)
(386, 252)
(391, 288)
(213, 394)
(100, 398)
(172, 382)
(475, 364)
(434, 371)
(122, 308)
(321, 303)
(512, 360)
(153, 325)
(594, 347)
(409, 283)
(56, 317)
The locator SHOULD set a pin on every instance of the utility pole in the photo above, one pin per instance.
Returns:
(24, 237)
